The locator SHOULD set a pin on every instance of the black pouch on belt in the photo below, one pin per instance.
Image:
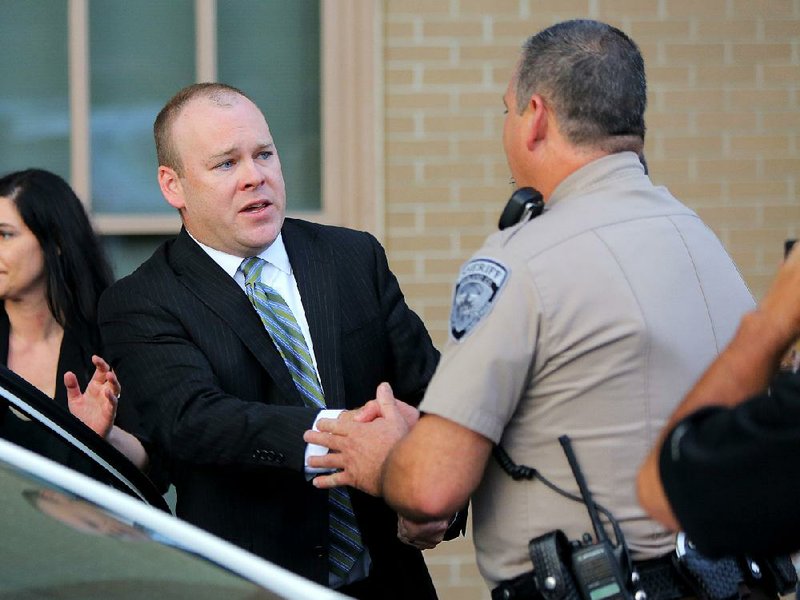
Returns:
(551, 554)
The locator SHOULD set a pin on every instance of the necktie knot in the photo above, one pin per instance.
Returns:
(252, 267)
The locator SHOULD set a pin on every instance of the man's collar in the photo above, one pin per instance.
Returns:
(275, 254)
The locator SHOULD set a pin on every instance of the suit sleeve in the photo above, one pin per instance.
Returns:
(183, 406)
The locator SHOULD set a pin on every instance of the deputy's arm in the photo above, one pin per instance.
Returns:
(432, 472)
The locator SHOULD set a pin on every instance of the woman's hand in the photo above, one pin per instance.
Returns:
(97, 405)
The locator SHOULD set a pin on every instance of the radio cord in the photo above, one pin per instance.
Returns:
(519, 472)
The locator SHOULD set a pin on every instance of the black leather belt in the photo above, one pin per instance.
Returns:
(659, 578)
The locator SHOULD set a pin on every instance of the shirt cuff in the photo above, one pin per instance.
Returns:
(316, 449)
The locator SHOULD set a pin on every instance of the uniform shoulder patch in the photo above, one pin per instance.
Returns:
(478, 287)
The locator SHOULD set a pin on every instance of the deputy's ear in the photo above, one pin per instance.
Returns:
(537, 120)
(171, 187)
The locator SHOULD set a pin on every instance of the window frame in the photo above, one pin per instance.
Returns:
(351, 119)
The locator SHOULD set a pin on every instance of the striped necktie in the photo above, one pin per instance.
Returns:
(345, 539)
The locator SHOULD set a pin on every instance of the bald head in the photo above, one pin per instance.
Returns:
(219, 94)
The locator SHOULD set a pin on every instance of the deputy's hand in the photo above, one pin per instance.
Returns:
(358, 450)
(423, 536)
(372, 410)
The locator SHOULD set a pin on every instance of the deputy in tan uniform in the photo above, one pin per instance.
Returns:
(591, 320)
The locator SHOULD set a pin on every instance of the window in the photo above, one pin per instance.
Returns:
(254, 61)
(89, 76)
(34, 97)
(139, 55)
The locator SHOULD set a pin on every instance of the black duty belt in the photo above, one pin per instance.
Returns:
(659, 579)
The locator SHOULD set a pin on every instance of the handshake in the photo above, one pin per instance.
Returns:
(359, 443)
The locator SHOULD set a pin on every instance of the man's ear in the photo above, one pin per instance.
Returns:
(537, 117)
(171, 187)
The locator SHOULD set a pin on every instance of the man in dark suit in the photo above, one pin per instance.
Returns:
(214, 390)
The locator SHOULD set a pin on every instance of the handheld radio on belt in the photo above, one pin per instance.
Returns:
(597, 566)
(589, 569)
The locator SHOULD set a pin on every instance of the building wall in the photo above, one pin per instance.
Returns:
(724, 137)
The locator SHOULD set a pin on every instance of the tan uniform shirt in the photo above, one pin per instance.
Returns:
(592, 320)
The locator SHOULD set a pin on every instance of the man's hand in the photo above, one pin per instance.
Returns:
(422, 536)
(357, 449)
(97, 405)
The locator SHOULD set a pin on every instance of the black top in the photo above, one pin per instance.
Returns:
(74, 357)
(731, 475)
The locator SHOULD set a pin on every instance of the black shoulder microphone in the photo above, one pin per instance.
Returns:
(522, 201)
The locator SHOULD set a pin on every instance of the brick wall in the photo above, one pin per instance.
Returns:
(724, 136)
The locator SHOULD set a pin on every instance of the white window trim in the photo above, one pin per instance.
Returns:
(351, 120)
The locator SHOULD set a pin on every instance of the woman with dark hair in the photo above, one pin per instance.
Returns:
(52, 272)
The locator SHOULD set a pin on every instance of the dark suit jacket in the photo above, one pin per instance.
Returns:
(217, 399)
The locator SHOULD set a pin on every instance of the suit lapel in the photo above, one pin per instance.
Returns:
(220, 293)
(316, 281)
